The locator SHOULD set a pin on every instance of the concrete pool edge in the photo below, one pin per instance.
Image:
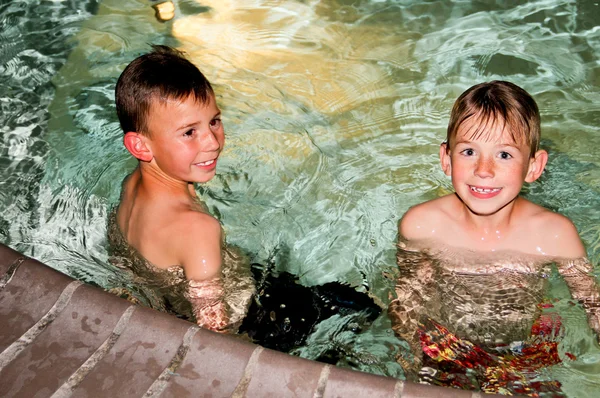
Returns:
(61, 337)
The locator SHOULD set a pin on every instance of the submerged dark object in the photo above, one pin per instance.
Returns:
(283, 312)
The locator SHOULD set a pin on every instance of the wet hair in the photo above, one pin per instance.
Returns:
(497, 102)
(161, 75)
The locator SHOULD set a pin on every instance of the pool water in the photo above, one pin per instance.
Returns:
(333, 110)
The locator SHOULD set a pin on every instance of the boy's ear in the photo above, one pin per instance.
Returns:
(445, 158)
(137, 146)
(536, 165)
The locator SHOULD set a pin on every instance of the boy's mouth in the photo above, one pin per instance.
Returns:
(484, 192)
(207, 164)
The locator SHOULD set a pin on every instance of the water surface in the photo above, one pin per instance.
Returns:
(334, 111)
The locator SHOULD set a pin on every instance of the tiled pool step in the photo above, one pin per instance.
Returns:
(60, 338)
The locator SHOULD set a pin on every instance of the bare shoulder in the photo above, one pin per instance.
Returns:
(557, 234)
(196, 238)
(422, 220)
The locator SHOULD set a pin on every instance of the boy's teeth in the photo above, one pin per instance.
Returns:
(206, 163)
(484, 190)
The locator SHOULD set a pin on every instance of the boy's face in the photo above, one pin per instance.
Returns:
(185, 138)
(488, 170)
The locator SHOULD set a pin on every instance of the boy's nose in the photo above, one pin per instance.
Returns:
(484, 168)
(210, 142)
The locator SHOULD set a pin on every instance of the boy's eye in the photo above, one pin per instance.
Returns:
(189, 133)
(215, 123)
(468, 152)
(505, 155)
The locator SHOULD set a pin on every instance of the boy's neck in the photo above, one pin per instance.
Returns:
(497, 223)
(154, 180)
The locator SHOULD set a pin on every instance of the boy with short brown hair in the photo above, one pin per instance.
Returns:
(172, 125)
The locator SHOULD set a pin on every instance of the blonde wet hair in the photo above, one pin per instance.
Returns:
(497, 102)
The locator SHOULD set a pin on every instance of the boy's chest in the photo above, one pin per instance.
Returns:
(494, 267)
(522, 240)
(461, 257)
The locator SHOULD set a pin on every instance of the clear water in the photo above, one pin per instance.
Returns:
(333, 110)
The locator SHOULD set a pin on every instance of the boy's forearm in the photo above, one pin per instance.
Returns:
(208, 304)
(584, 288)
(404, 313)
(586, 293)
(413, 286)
(405, 325)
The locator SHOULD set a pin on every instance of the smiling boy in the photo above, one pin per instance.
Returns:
(477, 260)
(172, 125)
(491, 150)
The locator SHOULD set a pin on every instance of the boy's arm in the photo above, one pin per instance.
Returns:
(584, 288)
(413, 290)
(412, 287)
(410, 226)
(199, 248)
(561, 236)
(576, 270)
(426, 221)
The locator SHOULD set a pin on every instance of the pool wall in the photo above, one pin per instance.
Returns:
(60, 337)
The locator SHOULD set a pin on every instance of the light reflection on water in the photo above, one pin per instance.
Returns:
(333, 110)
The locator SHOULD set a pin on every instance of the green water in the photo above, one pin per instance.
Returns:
(333, 110)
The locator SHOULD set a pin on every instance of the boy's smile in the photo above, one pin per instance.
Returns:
(484, 192)
(208, 163)
(185, 138)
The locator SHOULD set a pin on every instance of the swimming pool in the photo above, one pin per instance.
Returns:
(333, 112)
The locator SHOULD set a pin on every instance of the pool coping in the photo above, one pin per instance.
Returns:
(61, 337)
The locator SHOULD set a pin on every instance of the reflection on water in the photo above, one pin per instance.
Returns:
(333, 109)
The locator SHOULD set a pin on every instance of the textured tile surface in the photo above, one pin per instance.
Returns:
(7, 256)
(348, 383)
(274, 377)
(424, 391)
(144, 349)
(215, 364)
(32, 291)
(63, 346)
